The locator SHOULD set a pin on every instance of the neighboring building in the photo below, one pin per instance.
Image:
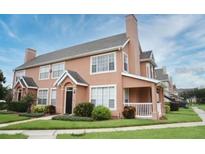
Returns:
(169, 88)
(112, 71)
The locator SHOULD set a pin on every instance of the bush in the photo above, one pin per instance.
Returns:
(167, 108)
(18, 106)
(84, 109)
(50, 109)
(3, 106)
(101, 113)
(39, 109)
(129, 112)
(31, 114)
(29, 99)
(72, 118)
(174, 106)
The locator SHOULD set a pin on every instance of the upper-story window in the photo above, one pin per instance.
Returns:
(103, 63)
(42, 96)
(57, 70)
(125, 62)
(44, 72)
(19, 74)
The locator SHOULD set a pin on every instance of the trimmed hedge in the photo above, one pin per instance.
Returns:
(174, 106)
(50, 109)
(84, 109)
(18, 106)
(3, 106)
(31, 114)
(71, 118)
(39, 109)
(129, 112)
(101, 113)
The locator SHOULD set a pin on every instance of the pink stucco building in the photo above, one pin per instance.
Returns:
(112, 71)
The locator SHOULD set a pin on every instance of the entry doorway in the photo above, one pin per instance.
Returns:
(69, 100)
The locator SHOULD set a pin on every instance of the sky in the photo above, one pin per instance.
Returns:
(176, 40)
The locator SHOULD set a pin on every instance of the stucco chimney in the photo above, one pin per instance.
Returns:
(29, 54)
(134, 46)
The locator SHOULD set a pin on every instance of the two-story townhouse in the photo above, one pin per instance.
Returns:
(112, 71)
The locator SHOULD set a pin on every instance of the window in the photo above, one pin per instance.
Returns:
(43, 96)
(53, 97)
(126, 95)
(103, 63)
(44, 72)
(105, 96)
(57, 70)
(19, 74)
(125, 61)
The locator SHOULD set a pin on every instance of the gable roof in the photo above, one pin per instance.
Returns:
(160, 75)
(107, 44)
(26, 82)
(74, 76)
(145, 54)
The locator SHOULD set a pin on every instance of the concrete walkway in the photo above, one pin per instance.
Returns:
(51, 134)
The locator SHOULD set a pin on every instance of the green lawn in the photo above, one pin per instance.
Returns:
(201, 106)
(184, 115)
(13, 136)
(5, 118)
(165, 133)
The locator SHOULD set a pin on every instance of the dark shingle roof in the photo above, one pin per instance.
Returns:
(145, 54)
(77, 77)
(29, 81)
(21, 80)
(160, 74)
(77, 51)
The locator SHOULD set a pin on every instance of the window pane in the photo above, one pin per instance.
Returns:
(57, 70)
(42, 96)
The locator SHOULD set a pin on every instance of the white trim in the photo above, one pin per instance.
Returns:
(128, 94)
(21, 72)
(140, 77)
(101, 86)
(124, 53)
(125, 43)
(101, 72)
(49, 67)
(117, 48)
(51, 94)
(63, 76)
(19, 82)
(52, 68)
(47, 96)
(27, 85)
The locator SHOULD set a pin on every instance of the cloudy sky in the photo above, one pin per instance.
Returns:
(178, 41)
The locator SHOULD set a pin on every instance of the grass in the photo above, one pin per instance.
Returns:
(5, 118)
(201, 106)
(184, 115)
(13, 136)
(165, 133)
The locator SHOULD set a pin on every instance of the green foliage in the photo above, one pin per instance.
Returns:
(167, 108)
(3, 90)
(39, 109)
(101, 113)
(18, 106)
(3, 106)
(129, 112)
(84, 109)
(31, 114)
(72, 118)
(174, 106)
(50, 109)
(29, 99)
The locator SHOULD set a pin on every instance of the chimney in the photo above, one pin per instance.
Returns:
(29, 54)
(133, 46)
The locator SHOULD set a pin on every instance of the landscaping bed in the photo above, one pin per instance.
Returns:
(183, 115)
(13, 136)
(164, 133)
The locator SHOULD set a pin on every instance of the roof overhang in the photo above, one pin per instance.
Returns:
(149, 60)
(62, 78)
(24, 82)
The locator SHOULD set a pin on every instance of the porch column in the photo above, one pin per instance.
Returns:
(162, 101)
(154, 102)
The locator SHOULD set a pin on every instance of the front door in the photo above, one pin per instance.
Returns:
(69, 98)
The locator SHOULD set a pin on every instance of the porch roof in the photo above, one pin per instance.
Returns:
(74, 76)
(26, 82)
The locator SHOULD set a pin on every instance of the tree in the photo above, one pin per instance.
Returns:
(3, 90)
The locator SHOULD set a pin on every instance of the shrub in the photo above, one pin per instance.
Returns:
(72, 118)
(18, 106)
(84, 109)
(174, 106)
(3, 106)
(29, 99)
(101, 113)
(31, 114)
(129, 112)
(50, 109)
(167, 108)
(39, 109)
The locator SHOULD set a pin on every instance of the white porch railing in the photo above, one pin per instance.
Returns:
(143, 110)
(159, 108)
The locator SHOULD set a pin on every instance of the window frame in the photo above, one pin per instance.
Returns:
(44, 72)
(105, 86)
(101, 72)
(51, 89)
(61, 63)
(46, 98)
(125, 54)
(128, 92)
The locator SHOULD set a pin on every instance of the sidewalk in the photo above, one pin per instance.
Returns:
(51, 134)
